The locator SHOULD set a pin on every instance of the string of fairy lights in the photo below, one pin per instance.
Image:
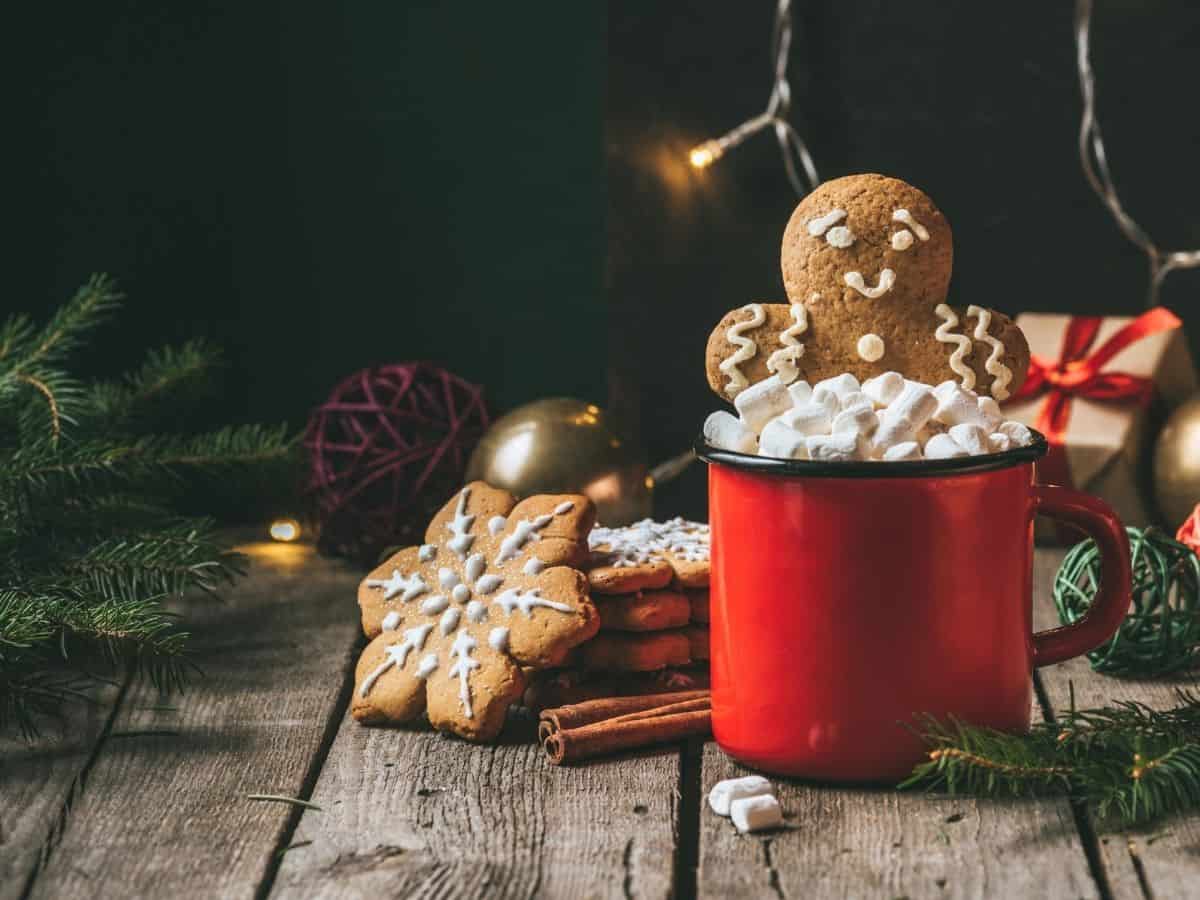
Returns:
(791, 145)
(1095, 167)
(1092, 155)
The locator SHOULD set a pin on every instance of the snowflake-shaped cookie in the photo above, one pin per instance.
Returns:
(454, 621)
(648, 554)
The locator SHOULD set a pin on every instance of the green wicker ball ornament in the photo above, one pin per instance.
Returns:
(1161, 633)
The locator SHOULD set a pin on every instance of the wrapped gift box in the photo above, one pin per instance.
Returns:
(1107, 442)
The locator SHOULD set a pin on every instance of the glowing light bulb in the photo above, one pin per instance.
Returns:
(704, 155)
(285, 530)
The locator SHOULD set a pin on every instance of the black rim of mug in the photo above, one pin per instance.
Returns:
(913, 468)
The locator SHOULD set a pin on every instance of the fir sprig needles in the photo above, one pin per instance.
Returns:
(1129, 763)
(93, 537)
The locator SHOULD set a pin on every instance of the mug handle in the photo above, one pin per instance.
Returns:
(1111, 602)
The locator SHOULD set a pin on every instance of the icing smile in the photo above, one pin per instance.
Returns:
(887, 279)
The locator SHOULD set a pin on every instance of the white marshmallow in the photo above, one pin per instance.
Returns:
(782, 441)
(855, 398)
(834, 447)
(725, 792)
(999, 442)
(838, 385)
(726, 432)
(756, 813)
(885, 388)
(856, 419)
(800, 392)
(761, 402)
(811, 418)
(905, 416)
(1017, 433)
(928, 430)
(971, 438)
(989, 409)
(942, 446)
(903, 450)
(959, 407)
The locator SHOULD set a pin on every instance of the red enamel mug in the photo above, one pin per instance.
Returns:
(850, 599)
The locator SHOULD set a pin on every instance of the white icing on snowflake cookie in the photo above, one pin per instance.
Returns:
(649, 554)
(493, 590)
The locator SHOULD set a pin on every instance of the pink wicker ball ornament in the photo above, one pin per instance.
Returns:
(385, 450)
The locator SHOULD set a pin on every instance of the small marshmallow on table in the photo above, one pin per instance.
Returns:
(748, 802)
(886, 418)
(756, 813)
(725, 792)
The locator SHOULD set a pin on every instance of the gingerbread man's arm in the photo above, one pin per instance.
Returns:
(813, 343)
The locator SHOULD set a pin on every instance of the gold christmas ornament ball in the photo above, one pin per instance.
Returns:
(564, 445)
(1177, 464)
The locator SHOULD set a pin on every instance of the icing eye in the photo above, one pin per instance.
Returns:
(840, 237)
(905, 217)
(821, 224)
(902, 239)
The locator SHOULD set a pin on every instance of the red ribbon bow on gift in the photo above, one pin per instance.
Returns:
(1074, 374)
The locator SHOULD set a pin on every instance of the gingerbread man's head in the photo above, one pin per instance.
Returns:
(866, 265)
(867, 237)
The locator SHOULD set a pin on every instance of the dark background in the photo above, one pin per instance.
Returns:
(505, 189)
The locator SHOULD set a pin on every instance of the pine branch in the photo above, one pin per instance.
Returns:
(157, 390)
(26, 351)
(167, 562)
(1132, 764)
(95, 501)
(42, 470)
(31, 360)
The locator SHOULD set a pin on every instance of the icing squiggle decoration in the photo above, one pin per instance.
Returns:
(527, 530)
(950, 320)
(903, 215)
(414, 639)
(902, 240)
(783, 362)
(459, 526)
(746, 348)
(1001, 374)
(461, 648)
(821, 224)
(887, 278)
(407, 587)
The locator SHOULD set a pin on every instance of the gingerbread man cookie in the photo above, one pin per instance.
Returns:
(454, 621)
(866, 266)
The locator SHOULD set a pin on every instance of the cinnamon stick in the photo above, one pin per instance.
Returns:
(577, 714)
(600, 738)
(552, 724)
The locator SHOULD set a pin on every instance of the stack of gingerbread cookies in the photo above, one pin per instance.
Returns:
(649, 583)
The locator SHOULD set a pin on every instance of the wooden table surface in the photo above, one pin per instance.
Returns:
(140, 795)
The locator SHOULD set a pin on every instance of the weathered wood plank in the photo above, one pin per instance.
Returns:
(857, 842)
(410, 813)
(164, 810)
(1162, 860)
(853, 842)
(38, 780)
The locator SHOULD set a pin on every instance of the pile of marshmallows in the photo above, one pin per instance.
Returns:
(885, 418)
(748, 801)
